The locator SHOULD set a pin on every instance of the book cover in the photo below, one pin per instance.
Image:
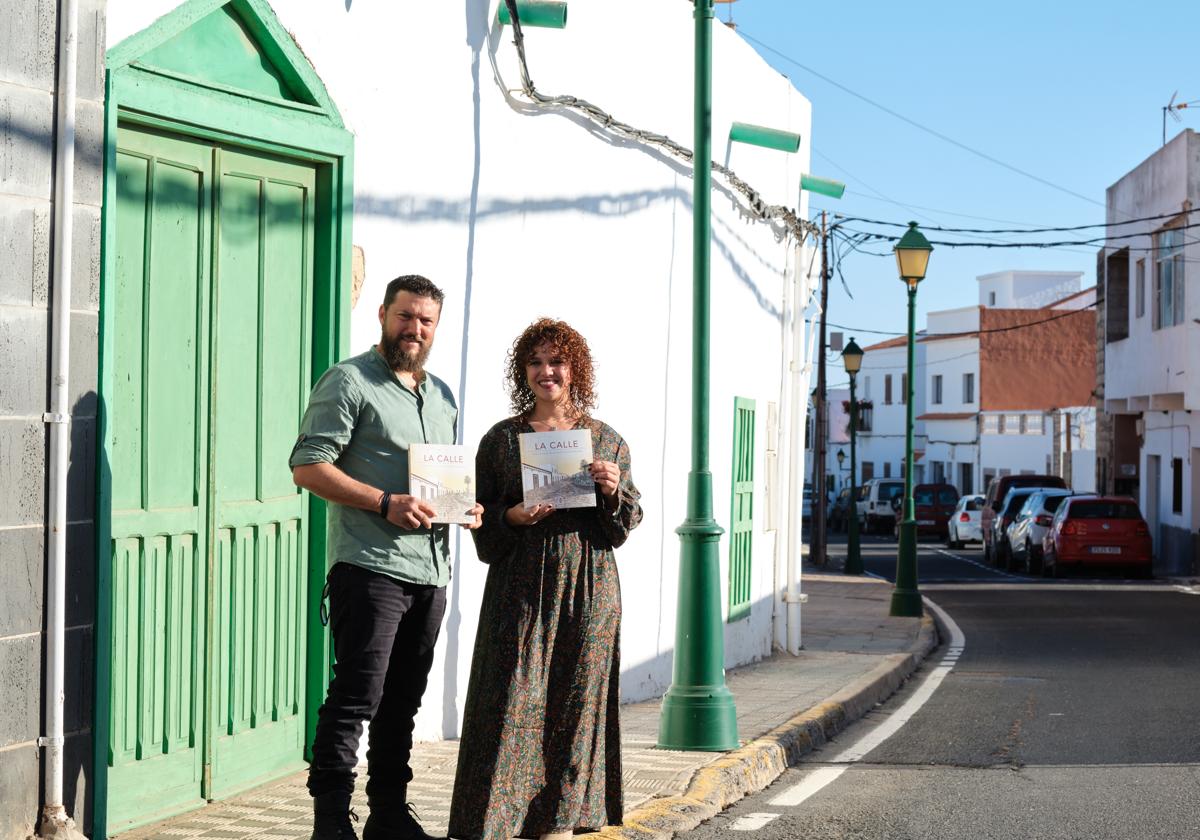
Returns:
(554, 468)
(443, 477)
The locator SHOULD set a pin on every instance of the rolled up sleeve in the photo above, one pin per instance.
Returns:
(329, 420)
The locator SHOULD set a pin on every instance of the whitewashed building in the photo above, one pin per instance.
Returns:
(249, 176)
(1150, 339)
(882, 391)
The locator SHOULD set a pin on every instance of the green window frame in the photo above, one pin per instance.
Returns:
(741, 516)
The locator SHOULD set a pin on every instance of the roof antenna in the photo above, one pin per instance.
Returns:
(729, 20)
(1173, 108)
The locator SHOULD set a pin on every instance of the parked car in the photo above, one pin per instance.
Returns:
(996, 491)
(806, 503)
(875, 511)
(1106, 531)
(932, 506)
(840, 510)
(964, 522)
(1009, 508)
(1027, 531)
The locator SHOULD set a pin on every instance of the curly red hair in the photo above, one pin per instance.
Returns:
(565, 341)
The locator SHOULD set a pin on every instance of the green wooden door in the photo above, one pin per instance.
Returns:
(212, 287)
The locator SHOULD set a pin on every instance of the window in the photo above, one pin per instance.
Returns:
(903, 388)
(866, 416)
(887, 469)
(1176, 485)
(1116, 296)
(936, 389)
(991, 425)
(742, 505)
(1140, 288)
(1032, 424)
(1010, 424)
(939, 472)
(1168, 278)
(866, 388)
(868, 471)
(887, 389)
(968, 388)
(988, 475)
(991, 298)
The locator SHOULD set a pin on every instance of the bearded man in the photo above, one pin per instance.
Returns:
(389, 565)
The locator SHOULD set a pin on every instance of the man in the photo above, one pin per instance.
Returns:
(390, 566)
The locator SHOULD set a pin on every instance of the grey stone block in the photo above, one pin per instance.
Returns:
(23, 453)
(26, 141)
(81, 471)
(20, 772)
(89, 70)
(27, 42)
(24, 348)
(24, 251)
(89, 152)
(22, 553)
(81, 574)
(85, 258)
(85, 360)
(20, 684)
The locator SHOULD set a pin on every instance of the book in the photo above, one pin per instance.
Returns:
(554, 469)
(443, 477)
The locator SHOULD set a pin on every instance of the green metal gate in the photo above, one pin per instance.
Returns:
(212, 293)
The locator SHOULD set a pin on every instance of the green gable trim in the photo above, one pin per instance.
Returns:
(234, 46)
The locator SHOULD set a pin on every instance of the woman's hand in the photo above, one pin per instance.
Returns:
(521, 515)
(477, 512)
(607, 476)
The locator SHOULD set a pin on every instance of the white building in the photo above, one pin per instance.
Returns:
(1151, 344)
(881, 393)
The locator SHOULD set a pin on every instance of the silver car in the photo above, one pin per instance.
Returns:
(964, 525)
(1027, 531)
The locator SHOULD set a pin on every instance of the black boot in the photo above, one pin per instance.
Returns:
(332, 816)
(393, 819)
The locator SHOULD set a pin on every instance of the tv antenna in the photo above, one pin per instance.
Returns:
(1173, 108)
(729, 20)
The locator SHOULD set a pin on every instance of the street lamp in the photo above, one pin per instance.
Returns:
(852, 357)
(912, 259)
(841, 456)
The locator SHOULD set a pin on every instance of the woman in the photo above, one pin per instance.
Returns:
(540, 755)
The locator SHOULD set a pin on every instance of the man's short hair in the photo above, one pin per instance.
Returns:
(413, 284)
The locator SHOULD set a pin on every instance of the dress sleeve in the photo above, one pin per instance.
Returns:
(617, 523)
(495, 539)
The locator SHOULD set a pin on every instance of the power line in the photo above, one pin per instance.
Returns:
(1171, 215)
(968, 333)
(918, 125)
(1098, 240)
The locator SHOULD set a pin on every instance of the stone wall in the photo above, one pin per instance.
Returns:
(28, 106)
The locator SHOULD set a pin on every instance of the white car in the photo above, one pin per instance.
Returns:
(965, 525)
(1027, 531)
(875, 511)
(806, 500)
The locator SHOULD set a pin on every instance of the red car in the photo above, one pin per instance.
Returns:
(1104, 531)
(933, 505)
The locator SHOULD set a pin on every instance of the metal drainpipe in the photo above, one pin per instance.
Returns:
(795, 498)
(55, 822)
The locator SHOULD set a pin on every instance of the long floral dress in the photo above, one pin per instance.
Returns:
(541, 740)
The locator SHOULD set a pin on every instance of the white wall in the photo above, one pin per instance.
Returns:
(517, 214)
(885, 442)
(1027, 289)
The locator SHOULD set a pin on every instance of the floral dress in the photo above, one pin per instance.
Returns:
(541, 740)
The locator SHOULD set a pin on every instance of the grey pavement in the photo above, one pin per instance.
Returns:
(854, 656)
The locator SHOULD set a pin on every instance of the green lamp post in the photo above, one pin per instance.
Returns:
(912, 259)
(698, 711)
(852, 357)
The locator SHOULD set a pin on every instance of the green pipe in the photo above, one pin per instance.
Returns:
(698, 711)
(822, 186)
(548, 13)
(768, 138)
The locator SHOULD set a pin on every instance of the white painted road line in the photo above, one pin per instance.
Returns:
(980, 564)
(815, 781)
(752, 822)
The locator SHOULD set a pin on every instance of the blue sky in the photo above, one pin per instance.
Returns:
(1069, 92)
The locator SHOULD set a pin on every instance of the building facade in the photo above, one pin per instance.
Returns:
(248, 177)
(1150, 342)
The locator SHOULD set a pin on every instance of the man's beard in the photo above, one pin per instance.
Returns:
(400, 360)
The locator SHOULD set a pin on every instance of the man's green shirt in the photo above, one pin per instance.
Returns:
(362, 419)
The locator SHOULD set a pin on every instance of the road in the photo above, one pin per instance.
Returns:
(1063, 710)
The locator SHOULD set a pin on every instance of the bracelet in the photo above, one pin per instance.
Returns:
(384, 501)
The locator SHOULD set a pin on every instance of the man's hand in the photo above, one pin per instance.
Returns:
(408, 512)
(477, 512)
(521, 515)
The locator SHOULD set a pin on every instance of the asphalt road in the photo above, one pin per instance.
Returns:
(1073, 711)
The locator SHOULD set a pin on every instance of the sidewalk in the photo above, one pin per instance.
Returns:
(854, 656)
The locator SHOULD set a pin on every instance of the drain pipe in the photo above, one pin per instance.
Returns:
(55, 822)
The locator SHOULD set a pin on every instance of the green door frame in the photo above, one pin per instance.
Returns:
(307, 128)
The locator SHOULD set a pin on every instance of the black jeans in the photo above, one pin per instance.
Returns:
(384, 631)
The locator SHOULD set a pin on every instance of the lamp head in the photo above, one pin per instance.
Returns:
(852, 357)
(912, 255)
(841, 456)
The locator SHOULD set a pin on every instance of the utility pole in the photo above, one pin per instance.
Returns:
(820, 491)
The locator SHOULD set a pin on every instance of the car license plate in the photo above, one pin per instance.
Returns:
(1106, 549)
(925, 522)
